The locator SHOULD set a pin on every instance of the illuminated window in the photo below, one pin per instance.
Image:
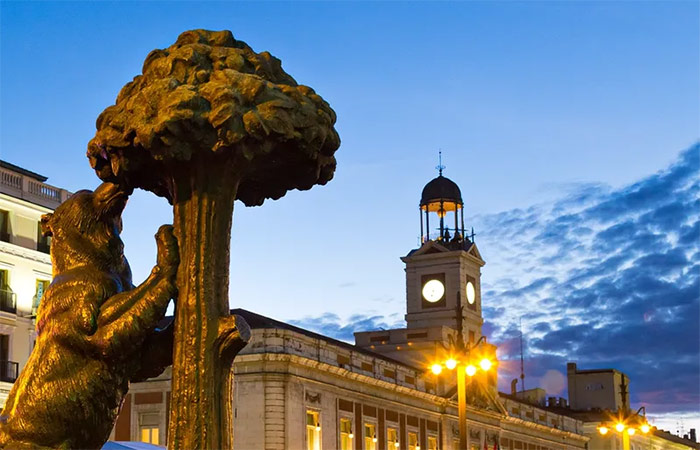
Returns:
(392, 438)
(7, 297)
(412, 441)
(370, 436)
(432, 443)
(313, 430)
(346, 435)
(41, 287)
(149, 430)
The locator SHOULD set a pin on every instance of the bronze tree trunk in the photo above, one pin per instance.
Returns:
(207, 337)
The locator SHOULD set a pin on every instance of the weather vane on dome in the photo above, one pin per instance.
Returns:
(440, 167)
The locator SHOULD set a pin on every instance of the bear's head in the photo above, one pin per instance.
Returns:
(85, 230)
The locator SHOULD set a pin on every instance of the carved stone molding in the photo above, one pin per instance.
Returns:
(312, 397)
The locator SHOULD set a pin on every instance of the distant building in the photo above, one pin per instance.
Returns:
(25, 265)
(600, 398)
(598, 388)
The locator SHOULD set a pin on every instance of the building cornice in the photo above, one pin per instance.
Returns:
(25, 253)
(444, 405)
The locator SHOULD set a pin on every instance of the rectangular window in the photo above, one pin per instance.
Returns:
(346, 434)
(432, 443)
(41, 287)
(392, 438)
(313, 430)
(4, 226)
(149, 429)
(4, 347)
(7, 297)
(149, 435)
(370, 436)
(412, 441)
(43, 243)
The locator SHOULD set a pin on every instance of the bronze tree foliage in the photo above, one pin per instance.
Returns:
(211, 96)
(207, 122)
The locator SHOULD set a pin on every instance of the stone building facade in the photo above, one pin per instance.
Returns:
(295, 389)
(25, 265)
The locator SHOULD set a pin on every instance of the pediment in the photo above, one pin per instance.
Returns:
(474, 251)
(430, 247)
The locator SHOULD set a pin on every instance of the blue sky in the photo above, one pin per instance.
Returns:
(564, 123)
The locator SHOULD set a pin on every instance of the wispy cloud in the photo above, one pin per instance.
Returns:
(331, 325)
(605, 277)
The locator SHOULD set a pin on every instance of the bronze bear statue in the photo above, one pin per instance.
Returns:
(95, 331)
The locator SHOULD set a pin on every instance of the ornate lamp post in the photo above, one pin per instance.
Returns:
(462, 361)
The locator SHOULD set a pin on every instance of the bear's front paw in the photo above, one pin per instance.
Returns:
(168, 256)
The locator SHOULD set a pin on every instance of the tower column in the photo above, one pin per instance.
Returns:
(456, 214)
(420, 216)
(427, 224)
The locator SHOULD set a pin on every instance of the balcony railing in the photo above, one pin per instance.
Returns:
(8, 301)
(9, 371)
(27, 188)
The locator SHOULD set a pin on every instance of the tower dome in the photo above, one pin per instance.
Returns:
(441, 190)
(441, 196)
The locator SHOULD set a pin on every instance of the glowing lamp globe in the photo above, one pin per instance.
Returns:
(485, 364)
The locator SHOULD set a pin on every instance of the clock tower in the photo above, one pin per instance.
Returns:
(443, 276)
(443, 284)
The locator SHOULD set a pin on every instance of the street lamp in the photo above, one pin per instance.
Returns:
(627, 425)
(464, 366)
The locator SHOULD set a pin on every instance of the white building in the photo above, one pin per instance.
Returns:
(25, 265)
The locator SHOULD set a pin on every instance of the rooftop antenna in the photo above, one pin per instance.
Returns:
(522, 359)
(440, 167)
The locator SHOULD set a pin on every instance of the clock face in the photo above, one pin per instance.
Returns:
(471, 293)
(433, 290)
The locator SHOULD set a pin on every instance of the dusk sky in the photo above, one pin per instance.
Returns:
(572, 129)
